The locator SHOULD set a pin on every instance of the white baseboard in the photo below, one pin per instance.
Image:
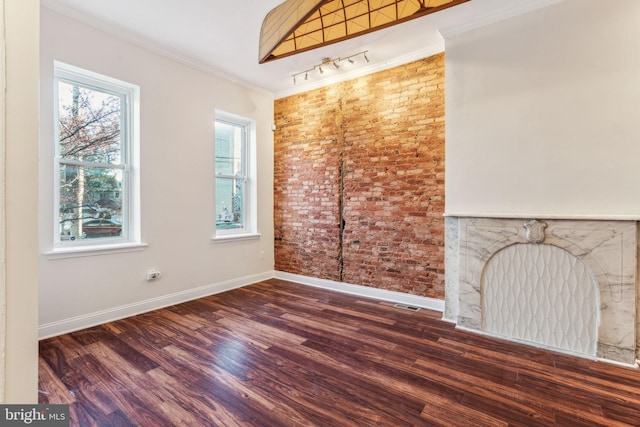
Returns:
(72, 324)
(365, 291)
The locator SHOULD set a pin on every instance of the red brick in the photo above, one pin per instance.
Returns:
(387, 131)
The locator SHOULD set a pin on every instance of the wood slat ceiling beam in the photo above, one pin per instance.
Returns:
(300, 25)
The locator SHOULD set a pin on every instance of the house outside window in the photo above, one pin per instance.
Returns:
(234, 203)
(94, 197)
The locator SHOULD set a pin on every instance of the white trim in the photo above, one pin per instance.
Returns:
(250, 193)
(225, 238)
(365, 291)
(544, 216)
(82, 251)
(76, 323)
(514, 9)
(129, 37)
(129, 164)
(3, 216)
(416, 55)
(92, 319)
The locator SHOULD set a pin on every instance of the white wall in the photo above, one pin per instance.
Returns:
(543, 112)
(21, 201)
(177, 203)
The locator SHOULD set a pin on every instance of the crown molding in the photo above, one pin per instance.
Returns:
(146, 45)
(416, 55)
(513, 10)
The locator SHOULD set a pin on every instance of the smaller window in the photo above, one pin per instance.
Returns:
(233, 184)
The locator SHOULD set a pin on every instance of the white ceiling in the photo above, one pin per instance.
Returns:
(222, 36)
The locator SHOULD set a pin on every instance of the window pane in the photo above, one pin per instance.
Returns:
(90, 202)
(229, 149)
(229, 203)
(89, 124)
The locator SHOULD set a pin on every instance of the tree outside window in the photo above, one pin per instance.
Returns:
(91, 159)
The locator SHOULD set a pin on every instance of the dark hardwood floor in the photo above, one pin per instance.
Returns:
(282, 354)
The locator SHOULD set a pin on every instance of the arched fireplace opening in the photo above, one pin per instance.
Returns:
(541, 294)
(568, 284)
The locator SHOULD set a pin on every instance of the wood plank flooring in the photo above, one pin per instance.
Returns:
(281, 354)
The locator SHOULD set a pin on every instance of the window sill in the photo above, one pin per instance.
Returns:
(235, 237)
(82, 251)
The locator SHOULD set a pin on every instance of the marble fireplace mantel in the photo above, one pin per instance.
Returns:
(559, 264)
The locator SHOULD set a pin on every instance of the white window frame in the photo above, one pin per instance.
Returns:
(130, 114)
(249, 202)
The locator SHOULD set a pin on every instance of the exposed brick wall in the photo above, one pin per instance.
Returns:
(306, 184)
(369, 152)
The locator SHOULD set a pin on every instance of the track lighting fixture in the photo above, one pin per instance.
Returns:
(330, 61)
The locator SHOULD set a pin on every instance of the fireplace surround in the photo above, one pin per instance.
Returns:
(565, 284)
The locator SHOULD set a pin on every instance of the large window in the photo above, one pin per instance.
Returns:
(233, 183)
(93, 158)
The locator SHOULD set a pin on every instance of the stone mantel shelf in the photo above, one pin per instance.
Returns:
(545, 216)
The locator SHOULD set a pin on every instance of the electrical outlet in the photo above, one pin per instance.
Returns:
(262, 255)
(153, 274)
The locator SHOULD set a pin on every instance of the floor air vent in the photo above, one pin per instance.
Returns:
(407, 307)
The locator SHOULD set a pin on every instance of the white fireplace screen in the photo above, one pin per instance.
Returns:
(542, 294)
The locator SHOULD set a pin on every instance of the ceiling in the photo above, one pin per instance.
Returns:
(222, 36)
